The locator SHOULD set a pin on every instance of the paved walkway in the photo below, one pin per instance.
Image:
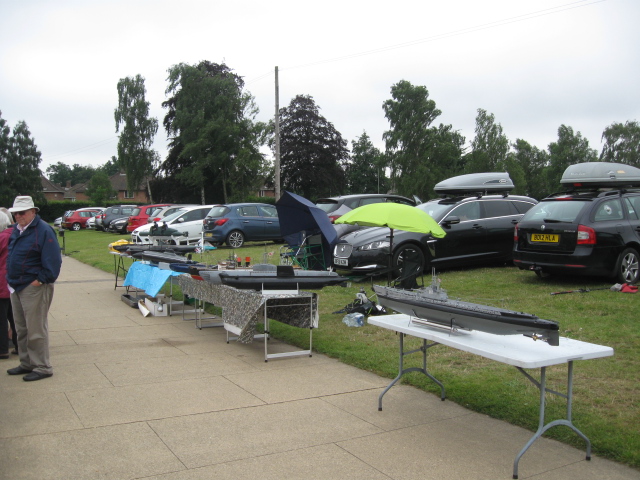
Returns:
(136, 397)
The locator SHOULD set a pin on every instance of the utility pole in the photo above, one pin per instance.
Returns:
(277, 122)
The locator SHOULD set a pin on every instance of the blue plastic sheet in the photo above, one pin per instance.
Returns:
(147, 277)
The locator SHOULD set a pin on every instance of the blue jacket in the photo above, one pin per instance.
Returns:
(33, 255)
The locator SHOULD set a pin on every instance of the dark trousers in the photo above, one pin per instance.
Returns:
(6, 319)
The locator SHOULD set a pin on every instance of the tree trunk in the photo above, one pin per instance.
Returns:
(202, 202)
(149, 191)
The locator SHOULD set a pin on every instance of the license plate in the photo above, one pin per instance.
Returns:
(545, 237)
(341, 261)
(208, 234)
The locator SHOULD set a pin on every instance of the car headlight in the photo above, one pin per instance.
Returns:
(375, 245)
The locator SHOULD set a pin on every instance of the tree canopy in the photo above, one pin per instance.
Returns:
(365, 171)
(622, 143)
(213, 138)
(19, 164)
(137, 129)
(571, 148)
(419, 154)
(313, 154)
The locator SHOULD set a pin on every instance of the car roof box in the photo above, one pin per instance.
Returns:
(601, 174)
(491, 182)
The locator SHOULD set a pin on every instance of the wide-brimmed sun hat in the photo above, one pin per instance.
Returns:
(22, 203)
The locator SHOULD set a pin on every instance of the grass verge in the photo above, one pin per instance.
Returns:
(606, 395)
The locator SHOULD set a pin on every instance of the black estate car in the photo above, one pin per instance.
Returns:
(593, 228)
(478, 224)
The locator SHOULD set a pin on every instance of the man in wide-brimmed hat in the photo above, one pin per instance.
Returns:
(33, 265)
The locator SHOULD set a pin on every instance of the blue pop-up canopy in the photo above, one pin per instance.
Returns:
(300, 218)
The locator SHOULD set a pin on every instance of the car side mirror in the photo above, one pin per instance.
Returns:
(451, 221)
(181, 220)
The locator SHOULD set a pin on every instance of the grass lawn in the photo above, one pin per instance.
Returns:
(606, 404)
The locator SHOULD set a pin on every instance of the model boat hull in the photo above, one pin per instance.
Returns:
(465, 315)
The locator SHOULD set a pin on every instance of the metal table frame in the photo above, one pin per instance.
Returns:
(518, 351)
(270, 295)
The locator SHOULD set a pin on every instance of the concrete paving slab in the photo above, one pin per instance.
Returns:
(60, 338)
(284, 385)
(481, 447)
(134, 403)
(22, 414)
(131, 352)
(167, 369)
(87, 321)
(109, 453)
(219, 437)
(409, 407)
(65, 378)
(325, 462)
(126, 334)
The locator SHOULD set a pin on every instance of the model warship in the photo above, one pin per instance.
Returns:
(432, 305)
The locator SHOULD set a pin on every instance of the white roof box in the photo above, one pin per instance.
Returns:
(491, 182)
(601, 174)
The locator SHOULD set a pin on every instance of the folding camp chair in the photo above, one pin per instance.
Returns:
(308, 255)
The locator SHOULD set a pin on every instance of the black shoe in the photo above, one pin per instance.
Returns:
(18, 371)
(33, 376)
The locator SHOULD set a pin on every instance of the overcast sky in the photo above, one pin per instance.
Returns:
(534, 65)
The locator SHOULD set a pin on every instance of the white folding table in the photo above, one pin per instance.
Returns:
(517, 350)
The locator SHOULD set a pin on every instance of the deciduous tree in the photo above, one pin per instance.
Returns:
(135, 155)
(531, 161)
(313, 154)
(622, 143)
(490, 146)
(420, 155)
(570, 148)
(99, 188)
(22, 169)
(366, 171)
(214, 140)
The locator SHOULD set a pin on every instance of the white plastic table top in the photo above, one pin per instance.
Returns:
(516, 350)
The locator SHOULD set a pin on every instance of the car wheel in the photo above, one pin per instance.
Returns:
(235, 239)
(403, 255)
(627, 267)
(76, 226)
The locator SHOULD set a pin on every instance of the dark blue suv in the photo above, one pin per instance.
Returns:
(237, 223)
(591, 229)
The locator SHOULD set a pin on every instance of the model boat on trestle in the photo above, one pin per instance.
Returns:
(434, 306)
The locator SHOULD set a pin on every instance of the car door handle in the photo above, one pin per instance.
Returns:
(514, 221)
(245, 221)
(476, 226)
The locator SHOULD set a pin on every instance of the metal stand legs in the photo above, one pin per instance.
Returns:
(402, 370)
(541, 426)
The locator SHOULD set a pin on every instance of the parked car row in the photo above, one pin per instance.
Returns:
(592, 228)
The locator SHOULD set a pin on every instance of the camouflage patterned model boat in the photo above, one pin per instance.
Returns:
(433, 305)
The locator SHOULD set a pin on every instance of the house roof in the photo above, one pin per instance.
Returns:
(49, 186)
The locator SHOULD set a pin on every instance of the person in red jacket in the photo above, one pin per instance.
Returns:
(33, 265)
(6, 316)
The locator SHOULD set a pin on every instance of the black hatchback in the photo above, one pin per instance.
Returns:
(592, 230)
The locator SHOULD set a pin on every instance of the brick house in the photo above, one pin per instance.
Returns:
(73, 193)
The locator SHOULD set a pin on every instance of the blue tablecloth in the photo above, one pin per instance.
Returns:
(147, 277)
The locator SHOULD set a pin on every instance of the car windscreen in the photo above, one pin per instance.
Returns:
(435, 209)
(172, 216)
(218, 211)
(556, 210)
(327, 206)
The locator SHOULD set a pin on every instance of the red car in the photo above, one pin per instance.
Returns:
(77, 219)
(141, 214)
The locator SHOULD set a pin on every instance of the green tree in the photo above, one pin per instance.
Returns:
(111, 167)
(6, 192)
(135, 155)
(571, 148)
(62, 173)
(214, 140)
(420, 155)
(313, 153)
(622, 143)
(21, 169)
(366, 171)
(490, 146)
(532, 162)
(99, 189)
